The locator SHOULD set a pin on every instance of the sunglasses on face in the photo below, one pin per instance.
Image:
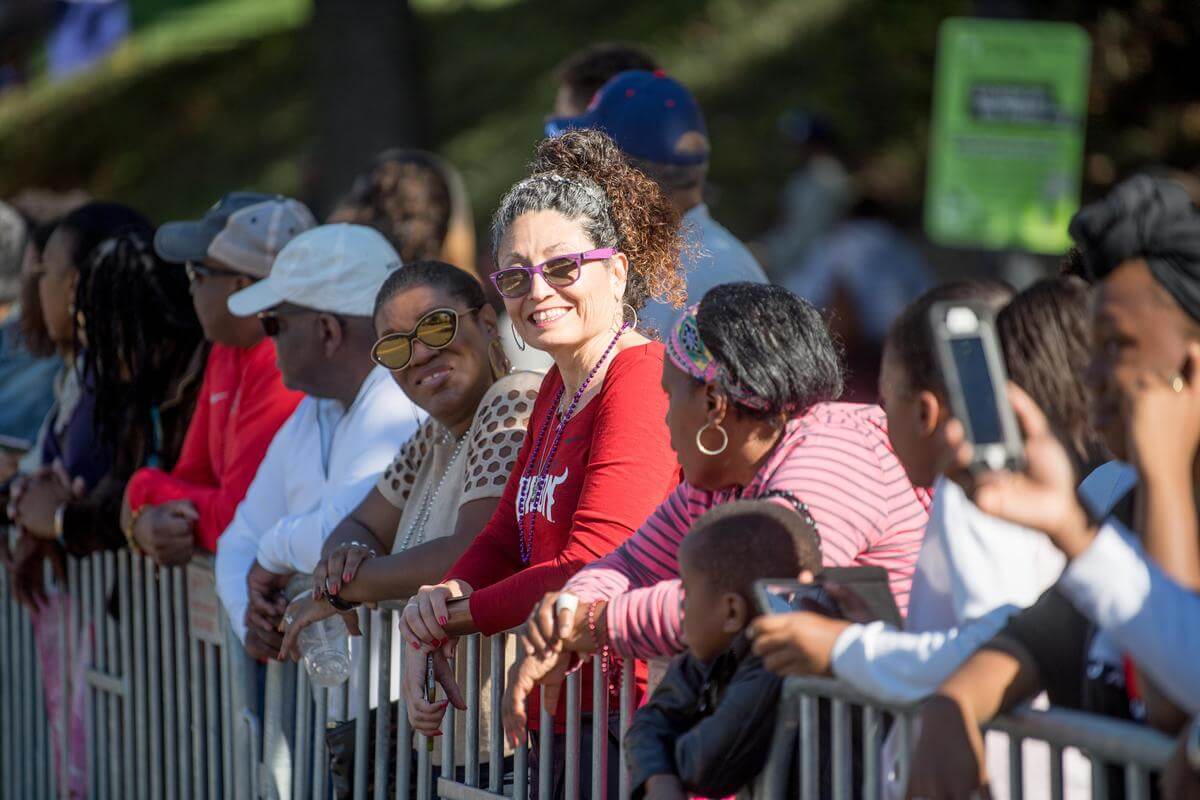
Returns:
(197, 272)
(436, 330)
(272, 321)
(560, 271)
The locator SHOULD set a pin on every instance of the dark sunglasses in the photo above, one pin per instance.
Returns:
(196, 271)
(272, 321)
(560, 271)
(435, 330)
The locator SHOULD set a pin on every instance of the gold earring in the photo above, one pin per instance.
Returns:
(700, 440)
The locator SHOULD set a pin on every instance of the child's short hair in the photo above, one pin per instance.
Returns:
(738, 543)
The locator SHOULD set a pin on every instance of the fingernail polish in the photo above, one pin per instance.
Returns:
(415, 645)
(439, 733)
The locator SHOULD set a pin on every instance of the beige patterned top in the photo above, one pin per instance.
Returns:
(479, 470)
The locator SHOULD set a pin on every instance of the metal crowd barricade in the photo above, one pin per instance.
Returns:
(297, 716)
(1136, 752)
(170, 711)
(140, 652)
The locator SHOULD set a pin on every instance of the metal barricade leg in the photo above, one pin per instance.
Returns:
(381, 622)
(626, 720)
(404, 734)
(245, 715)
(361, 709)
(141, 674)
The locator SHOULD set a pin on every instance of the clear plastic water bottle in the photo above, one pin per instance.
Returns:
(325, 646)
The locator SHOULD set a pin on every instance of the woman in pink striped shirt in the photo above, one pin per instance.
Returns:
(751, 378)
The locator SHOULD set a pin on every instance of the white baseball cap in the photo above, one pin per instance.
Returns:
(337, 269)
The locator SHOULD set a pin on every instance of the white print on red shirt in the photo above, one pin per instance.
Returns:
(529, 487)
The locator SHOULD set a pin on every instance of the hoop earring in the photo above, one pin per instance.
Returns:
(517, 336)
(700, 439)
(624, 318)
(501, 366)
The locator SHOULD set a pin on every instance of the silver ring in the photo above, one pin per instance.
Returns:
(289, 619)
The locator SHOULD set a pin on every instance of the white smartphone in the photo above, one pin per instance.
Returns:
(977, 383)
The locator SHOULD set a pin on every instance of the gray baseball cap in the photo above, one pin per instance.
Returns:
(244, 230)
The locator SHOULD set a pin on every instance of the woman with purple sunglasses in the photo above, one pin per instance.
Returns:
(581, 244)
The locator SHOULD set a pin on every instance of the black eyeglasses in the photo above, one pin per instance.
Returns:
(435, 330)
(271, 323)
(197, 271)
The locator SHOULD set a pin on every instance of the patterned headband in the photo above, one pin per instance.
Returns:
(687, 351)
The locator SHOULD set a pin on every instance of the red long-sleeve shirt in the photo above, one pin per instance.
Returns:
(242, 403)
(613, 467)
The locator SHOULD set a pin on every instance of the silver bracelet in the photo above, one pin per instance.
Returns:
(366, 547)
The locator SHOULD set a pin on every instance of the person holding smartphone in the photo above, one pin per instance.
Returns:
(1129, 594)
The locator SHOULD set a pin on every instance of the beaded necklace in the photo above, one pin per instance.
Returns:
(527, 513)
(418, 524)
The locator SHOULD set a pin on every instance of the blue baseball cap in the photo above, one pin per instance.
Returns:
(651, 118)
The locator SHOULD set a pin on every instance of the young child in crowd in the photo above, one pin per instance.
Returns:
(707, 728)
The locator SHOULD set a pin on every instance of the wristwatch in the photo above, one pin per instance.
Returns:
(1191, 747)
(339, 603)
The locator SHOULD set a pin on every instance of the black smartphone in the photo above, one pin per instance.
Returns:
(776, 596)
(968, 354)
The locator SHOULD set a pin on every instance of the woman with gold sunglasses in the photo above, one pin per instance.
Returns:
(439, 338)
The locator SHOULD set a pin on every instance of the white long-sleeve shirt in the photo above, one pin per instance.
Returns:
(974, 571)
(1141, 609)
(319, 467)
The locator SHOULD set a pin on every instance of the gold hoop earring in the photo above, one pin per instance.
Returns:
(501, 366)
(700, 439)
(516, 336)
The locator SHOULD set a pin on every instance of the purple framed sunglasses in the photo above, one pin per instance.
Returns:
(560, 271)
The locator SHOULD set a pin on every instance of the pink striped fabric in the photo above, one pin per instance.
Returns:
(836, 458)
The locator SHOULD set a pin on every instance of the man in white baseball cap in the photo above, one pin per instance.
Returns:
(316, 304)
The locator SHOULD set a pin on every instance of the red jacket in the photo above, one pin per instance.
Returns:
(242, 403)
(613, 467)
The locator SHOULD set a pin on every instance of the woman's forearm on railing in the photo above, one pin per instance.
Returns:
(401, 575)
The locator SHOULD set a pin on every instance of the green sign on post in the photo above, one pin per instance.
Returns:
(1006, 149)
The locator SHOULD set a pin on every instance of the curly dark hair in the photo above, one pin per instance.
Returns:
(773, 343)
(406, 197)
(141, 331)
(583, 175)
(1046, 336)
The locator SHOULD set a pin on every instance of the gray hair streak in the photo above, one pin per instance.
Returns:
(576, 198)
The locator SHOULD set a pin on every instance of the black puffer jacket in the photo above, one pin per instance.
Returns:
(709, 725)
